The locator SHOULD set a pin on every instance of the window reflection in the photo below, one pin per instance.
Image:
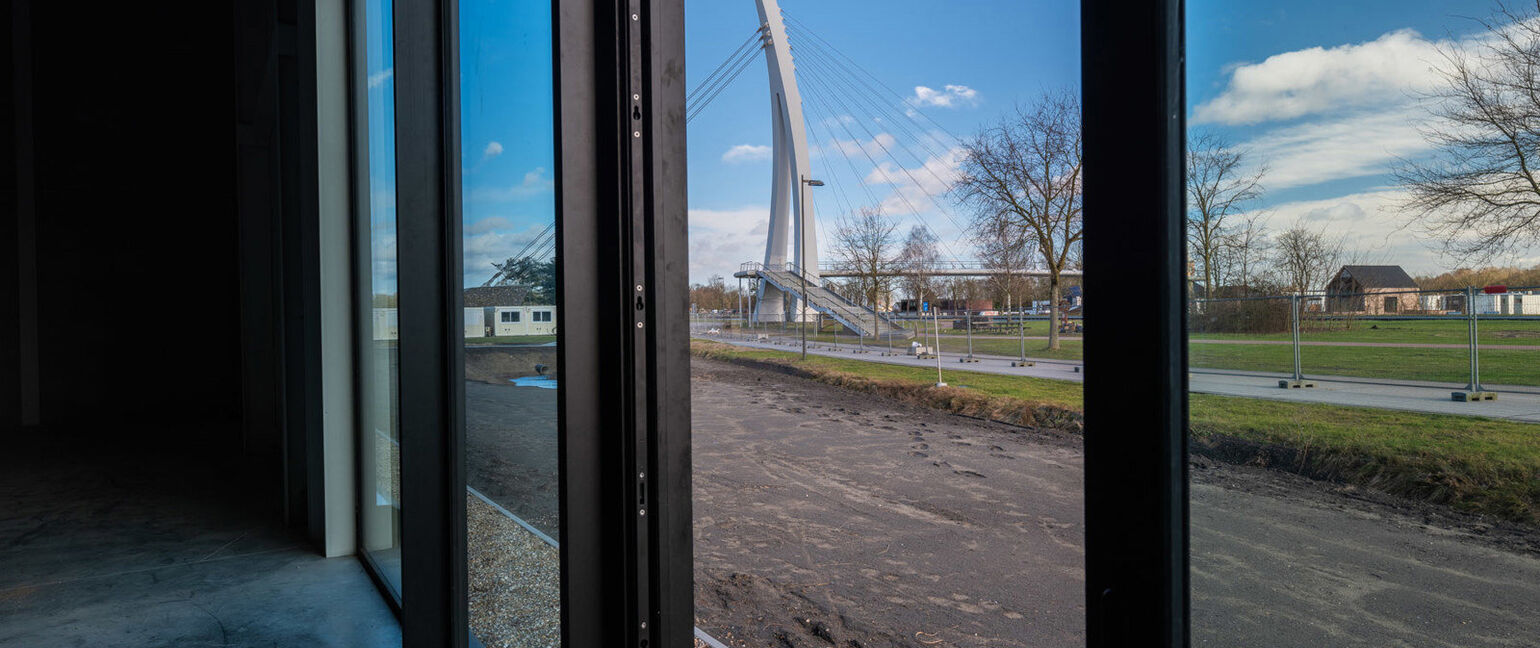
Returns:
(511, 315)
(379, 361)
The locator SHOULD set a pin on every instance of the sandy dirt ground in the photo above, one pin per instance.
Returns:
(826, 518)
(829, 518)
(510, 437)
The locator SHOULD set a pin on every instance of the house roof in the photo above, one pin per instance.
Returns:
(1377, 276)
(495, 296)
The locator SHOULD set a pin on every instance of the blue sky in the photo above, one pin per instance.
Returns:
(993, 53)
(507, 146)
(1329, 96)
(1323, 92)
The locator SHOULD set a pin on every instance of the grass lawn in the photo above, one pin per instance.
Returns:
(1498, 366)
(1494, 332)
(1474, 464)
(511, 339)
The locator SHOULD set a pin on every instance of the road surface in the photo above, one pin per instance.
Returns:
(1516, 403)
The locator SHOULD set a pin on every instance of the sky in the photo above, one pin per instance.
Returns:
(1323, 93)
(1329, 95)
(961, 64)
(507, 148)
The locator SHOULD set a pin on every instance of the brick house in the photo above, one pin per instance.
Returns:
(1371, 290)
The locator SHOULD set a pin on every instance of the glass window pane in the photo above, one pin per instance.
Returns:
(1360, 219)
(841, 228)
(511, 375)
(380, 503)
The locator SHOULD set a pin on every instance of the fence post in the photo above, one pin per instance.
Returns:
(1473, 390)
(1021, 337)
(1298, 381)
(969, 323)
(936, 319)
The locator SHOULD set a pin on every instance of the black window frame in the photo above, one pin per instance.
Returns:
(1136, 500)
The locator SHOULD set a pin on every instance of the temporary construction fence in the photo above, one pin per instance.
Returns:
(1459, 337)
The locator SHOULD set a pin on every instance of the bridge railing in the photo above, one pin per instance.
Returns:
(796, 270)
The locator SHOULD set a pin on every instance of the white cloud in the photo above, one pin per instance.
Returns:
(746, 153)
(379, 78)
(1358, 144)
(721, 239)
(1373, 223)
(535, 183)
(1322, 80)
(484, 248)
(950, 96)
(858, 150)
(492, 150)
(488, 224)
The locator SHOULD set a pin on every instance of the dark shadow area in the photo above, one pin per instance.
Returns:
(123, 543)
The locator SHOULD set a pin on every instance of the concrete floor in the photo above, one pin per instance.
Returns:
(129, 550)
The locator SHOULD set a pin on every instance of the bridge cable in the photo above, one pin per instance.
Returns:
(725, 64)
(897, 190)
(911, 127)
(822, 71)
(703, 102)
(805, 29)
(860, 145)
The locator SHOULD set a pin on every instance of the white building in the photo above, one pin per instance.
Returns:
(475, 322)
(522, 320)
(385, 324)
(1507, 304)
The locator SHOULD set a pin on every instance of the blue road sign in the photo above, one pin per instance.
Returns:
(925, 307)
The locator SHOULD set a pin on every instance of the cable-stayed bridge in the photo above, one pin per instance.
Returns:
(839, 98)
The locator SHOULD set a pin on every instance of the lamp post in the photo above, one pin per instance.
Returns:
(803, 183)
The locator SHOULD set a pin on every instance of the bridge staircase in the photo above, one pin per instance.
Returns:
(861, 319)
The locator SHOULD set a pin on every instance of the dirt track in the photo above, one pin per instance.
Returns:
(825, 518)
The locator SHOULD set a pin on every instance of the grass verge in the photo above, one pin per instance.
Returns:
(1477, 465)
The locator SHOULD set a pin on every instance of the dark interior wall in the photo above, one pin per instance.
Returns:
(139, 305)
(10, 371)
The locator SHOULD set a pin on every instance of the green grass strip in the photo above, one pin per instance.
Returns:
(1479, 465)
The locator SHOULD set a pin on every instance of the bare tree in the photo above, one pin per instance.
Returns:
(916, 260)
(1219, 184)
(1246, 253)
(1023, 176)
(1479, 193)
(864, 243)
(1305, 258)
(1000, 250)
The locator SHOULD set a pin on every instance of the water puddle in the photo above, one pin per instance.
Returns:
(543, 382)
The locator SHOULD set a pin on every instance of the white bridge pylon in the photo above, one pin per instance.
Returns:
(789, 217)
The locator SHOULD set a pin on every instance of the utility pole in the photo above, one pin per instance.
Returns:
(802, 184)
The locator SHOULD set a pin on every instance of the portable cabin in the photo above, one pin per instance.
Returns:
(475, 322)
(508, 320)
(541, 320)
(385, 323)
(1507, 304)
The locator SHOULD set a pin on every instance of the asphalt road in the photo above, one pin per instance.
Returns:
(824, 516)
(1517, 403)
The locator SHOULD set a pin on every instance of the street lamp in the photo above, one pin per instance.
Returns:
(802, 222)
